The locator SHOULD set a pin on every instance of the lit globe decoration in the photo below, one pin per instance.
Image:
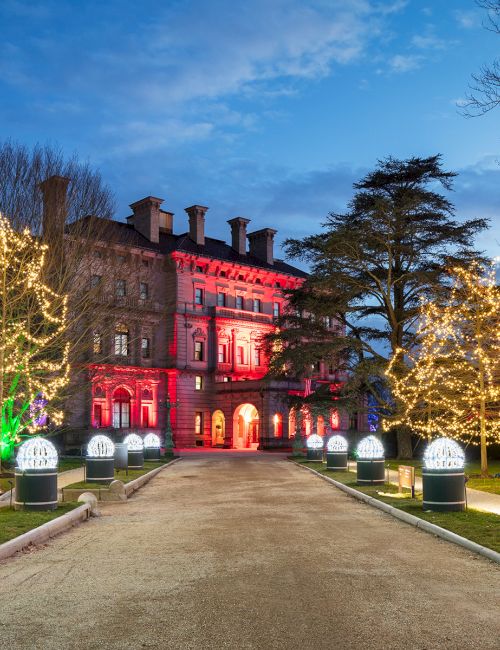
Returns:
(151, 441)
(444, 453)
(134, 442)
(314, 445)
(370, 448)
(337, 444)
(100, 447)
(37, 453)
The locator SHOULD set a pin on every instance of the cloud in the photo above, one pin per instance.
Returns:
(466, 19)
(404, 63)
(429, 41)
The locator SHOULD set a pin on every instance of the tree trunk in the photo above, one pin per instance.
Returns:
(403, 438)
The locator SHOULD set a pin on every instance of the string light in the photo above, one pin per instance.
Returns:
(370, 448)
(37, 453)
(33, 350)
(100, 447)
(337, 444)
(134, 442)
(452, 387)
(444, 453)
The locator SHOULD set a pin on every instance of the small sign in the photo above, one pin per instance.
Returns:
(406, 478)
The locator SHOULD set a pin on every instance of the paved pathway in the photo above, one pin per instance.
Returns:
(247, 551)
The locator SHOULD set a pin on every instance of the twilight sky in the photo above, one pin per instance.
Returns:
(268, 109)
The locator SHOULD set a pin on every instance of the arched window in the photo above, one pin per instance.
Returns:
(121, 409)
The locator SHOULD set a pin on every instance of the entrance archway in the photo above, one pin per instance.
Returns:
(121, 409)
(218, 428)
(246, 427)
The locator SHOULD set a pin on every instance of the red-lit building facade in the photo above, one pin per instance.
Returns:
(193, 310)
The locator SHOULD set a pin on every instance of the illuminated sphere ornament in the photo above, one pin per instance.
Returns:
(370, 448)
(36, 475)
(370, 466)
(100, 447)
(134, 442)
(151, 440)
(337, 444)
(336, 453)
(443, 479)
(135, 451)
(37, 453)
(151, 446)
(314, 445)
(444, 453)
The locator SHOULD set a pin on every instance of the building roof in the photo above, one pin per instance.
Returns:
(125, 234)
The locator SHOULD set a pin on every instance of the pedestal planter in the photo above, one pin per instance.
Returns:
(315, 455)
(100, 470)
(121, 455)
(371, 471)
(336, 460)
(152, 453)
(135, 459)
(443, 489)
(36, 489)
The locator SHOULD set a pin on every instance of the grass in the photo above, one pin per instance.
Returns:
(17, 522)
(480, 527)
(64, 465)
(121, 475)
(491, 485)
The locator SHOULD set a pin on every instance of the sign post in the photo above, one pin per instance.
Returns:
(406, 479)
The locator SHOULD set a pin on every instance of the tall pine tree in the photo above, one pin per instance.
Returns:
(369, 268)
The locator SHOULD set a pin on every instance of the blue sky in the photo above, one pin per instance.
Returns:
(264, 109)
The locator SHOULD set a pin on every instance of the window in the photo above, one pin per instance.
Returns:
(97, 416)
(198, 350)
(240, 354)
(256, 357)
(143, 290)
(226, 379)
(121, 288)
(95, 281)
(276, 309)
(222, 274)
(121, 409)
(239, 302)
(145, 262)
(258, 281)
(331, 369)
(198, 296)
(222, 353)
(199, 269)
(98, 255)
(198, 382)
(121, 341)
(96, 342)
(145, 348)
(241, 277)
(257, 305)
(120, 259)
(198, 423)
(328, 322)
(221, 299)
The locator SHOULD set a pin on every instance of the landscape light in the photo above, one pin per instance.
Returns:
(370, 448)
(337, 444)
(37, 453)
(134, 442)
(100, 447)
(152, 441)
(444, 453)
(314, 441)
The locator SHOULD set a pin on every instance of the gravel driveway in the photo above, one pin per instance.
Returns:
(247, 551)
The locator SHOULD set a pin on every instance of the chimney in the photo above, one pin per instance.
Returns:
(197, 223)
(261, 244)
(166, 222)
(239, 234)
(55, 210)
(146, 217)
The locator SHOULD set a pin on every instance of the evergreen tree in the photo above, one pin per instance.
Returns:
(369, 268)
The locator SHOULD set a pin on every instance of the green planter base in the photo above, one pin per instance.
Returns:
(100, 470)
(443, 489)
(371, 472)
(135, 459)
(152, 453)
(336, 461)
(315, 455)
(36, 489)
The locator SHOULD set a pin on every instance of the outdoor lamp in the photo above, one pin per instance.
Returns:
(314, 445)
(370, 465)
(36, 475)
(336, 453)
(443, 478)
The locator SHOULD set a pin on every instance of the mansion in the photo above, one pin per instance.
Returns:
(187, 315)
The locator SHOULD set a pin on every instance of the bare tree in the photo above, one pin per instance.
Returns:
(484, 90)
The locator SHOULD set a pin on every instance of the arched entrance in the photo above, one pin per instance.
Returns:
(218, 428)
(246, 427)
(121, 409)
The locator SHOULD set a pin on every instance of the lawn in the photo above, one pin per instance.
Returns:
(64, 464)
(480, 527)
(17, 522)
(122, 475)
(474, 467)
